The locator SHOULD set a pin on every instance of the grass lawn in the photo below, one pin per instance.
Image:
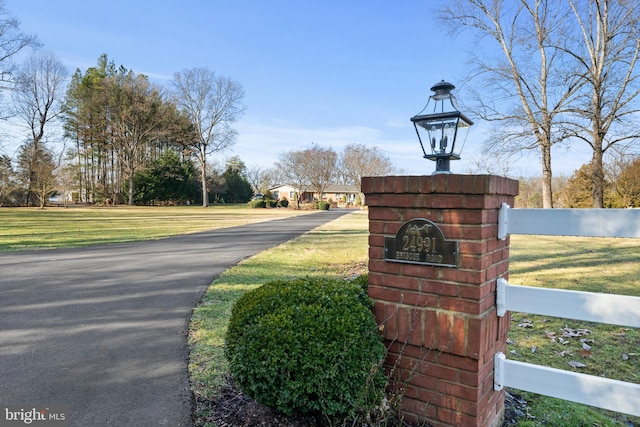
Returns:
(53, 227)
(585, 264)
(337, 249)
(340, 249)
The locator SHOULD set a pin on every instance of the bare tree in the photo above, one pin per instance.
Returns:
(495, 162)
(311, 169)
(359, 160)
(528, 87)
(622, 171)
(607, 54)
(292, 165)
(45, 184)
(321, 168)
(37, 101)
(212, 103)
(39, 93)
(12, 41)
(259, 178)
(529, 193)
(274, 176)
(35, 172)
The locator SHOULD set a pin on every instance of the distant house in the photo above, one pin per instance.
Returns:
(342, 195)
(284, 191)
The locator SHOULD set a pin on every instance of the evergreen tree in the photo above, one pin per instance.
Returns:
(167, 180)
(7, 180)
(238, 189)
(578, 190)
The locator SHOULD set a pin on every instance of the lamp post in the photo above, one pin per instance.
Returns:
(442, 126)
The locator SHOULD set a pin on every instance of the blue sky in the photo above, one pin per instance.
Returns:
(327, 72)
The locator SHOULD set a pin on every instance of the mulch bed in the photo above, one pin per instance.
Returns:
(231, 408)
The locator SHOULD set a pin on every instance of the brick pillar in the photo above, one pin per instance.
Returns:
(440, 323)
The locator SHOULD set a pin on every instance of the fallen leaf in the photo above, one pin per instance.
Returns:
(586, 347)
(573, 333)
(577, 364)
(585, 353)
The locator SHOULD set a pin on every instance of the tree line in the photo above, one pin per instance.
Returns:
(621, 187)
(132, 142)
(122, 130)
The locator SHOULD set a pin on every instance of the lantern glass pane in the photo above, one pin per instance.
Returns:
(442, 134)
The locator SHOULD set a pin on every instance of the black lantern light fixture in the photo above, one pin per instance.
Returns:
(443, 124)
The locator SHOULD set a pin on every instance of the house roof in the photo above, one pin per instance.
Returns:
(334, 188)
(342, 189)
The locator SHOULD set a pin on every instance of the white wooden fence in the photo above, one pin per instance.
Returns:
(591, 390)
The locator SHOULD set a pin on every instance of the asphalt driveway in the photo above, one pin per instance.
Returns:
(103, 329)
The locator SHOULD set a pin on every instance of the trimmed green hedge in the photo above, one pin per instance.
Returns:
(308, 346)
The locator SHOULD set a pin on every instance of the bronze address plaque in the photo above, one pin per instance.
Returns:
(420, 241)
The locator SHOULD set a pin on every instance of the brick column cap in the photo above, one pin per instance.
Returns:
(441, 184)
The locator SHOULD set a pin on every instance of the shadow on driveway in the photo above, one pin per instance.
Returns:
(103, 329)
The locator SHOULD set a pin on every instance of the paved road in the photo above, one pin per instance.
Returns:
(103, 329)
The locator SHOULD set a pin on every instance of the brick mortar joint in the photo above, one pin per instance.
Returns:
(400, 305)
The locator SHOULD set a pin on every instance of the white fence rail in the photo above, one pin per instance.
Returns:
(569, 222)
(589, 306)
(621, 310)
(590, 390)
